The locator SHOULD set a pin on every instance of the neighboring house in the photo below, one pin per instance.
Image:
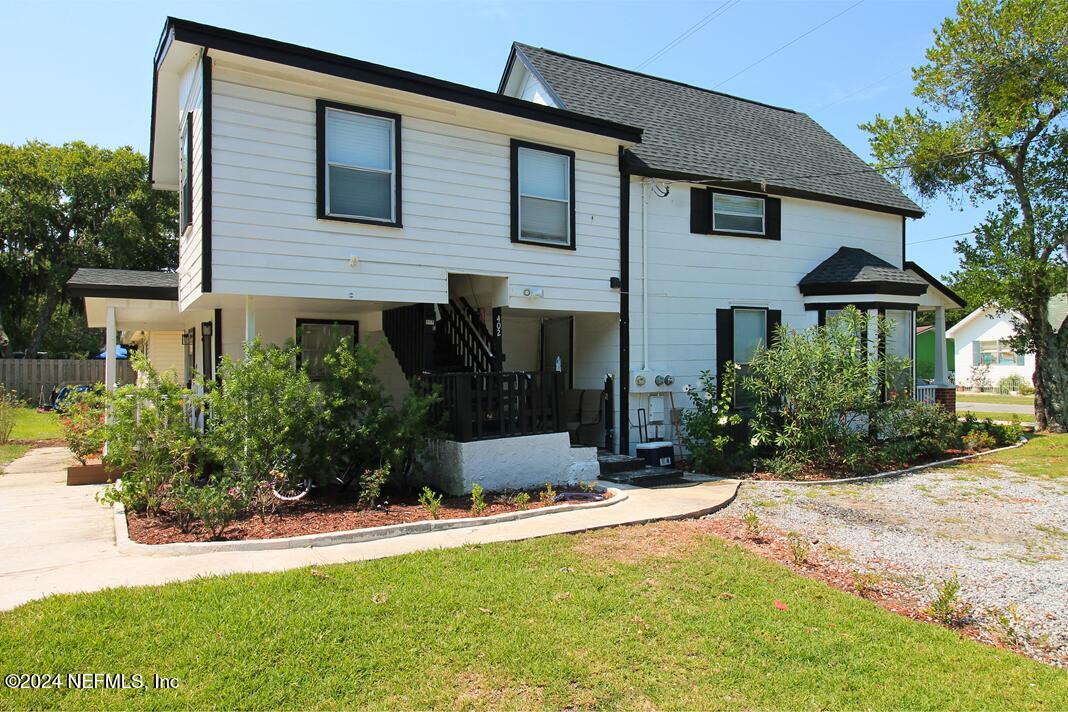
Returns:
(981, 339)
(925, 354)
(586, 240)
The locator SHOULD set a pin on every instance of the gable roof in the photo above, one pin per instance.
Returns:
(852, 270)
(1058, 311)
(123, 283)
(699, 134)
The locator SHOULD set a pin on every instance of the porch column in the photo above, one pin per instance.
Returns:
(941, 374)
(250, 318)
(110, 375)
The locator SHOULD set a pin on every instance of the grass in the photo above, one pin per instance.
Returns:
(31, 425)
(637, 617)
(1007, 417)
(1044, 457)
(11, 452)
(965, 397)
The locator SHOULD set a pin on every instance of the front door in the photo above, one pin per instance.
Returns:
(557, 345)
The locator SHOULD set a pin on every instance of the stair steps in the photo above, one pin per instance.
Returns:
(624, 469)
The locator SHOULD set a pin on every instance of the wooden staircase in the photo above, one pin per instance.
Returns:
(443, 338)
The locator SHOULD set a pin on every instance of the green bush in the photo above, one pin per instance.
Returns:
(986, 434)
(817, 396)
(9, 403)
(1012, 382)
(431, 502)
(478, 500)
(150, 437)
(711, 427)
(362, 430)
(1027, 389)
(82, 422)
(915, 430)
(264, 416)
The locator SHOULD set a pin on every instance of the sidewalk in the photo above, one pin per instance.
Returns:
(58, 539)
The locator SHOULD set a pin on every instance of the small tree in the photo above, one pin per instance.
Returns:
(980, 379)
(710, 426)
(263, 418)
(817, 394)
(82, 421)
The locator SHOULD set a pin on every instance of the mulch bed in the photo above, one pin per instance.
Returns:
(331, 511)
(824, 475)
(47, 442)
(884, 591)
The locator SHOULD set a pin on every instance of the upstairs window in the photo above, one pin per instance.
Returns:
(737, 213)
(359, 164)
(543, 195)
(185, 167)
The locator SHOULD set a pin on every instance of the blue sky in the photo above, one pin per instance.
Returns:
(82, 70)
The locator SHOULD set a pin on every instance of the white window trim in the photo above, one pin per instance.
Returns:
(392, 172)
(734, 336)
(567, 201)
(763, 215)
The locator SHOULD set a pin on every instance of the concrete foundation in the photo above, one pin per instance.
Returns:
(511, 463)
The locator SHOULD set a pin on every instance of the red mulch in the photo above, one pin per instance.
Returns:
(48, 442)
(886, 592)
(329, 512)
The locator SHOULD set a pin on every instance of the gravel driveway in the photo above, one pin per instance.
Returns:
(1003, 530)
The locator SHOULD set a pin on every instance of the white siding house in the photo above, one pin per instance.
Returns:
(573, 248)
(982, 346)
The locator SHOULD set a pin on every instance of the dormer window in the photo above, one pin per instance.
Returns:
(359, 164)
(543, 195)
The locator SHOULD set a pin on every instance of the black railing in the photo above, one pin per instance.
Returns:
(502, 404)
(467, 336)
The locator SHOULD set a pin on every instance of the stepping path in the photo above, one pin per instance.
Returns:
(58, 539)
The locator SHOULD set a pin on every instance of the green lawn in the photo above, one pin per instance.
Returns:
(1044, 456)
(965, 397)
(31, 425)
(1023, 417)
(11, 452)
(641, 617)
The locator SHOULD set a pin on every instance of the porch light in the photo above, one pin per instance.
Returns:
(187, 338)
(205, 328)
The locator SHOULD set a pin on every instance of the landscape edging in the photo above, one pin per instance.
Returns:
(349, 536)
(890, 473)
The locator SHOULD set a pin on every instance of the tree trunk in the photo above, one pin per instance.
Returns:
(44, 318)
(1050, 379)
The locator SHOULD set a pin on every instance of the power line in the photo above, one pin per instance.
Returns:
(853, 93)
(781, 48)
(943, 237)
(689, 32)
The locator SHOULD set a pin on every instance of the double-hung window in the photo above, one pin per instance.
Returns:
(359, 164)
(543, 195)
(737, 213)
(997, 353)
(750, 333)
(185, 168)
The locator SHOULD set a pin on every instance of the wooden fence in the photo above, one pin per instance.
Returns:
(34, 379)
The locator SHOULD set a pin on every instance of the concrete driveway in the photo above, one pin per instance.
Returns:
(58, 539)
(995, 407)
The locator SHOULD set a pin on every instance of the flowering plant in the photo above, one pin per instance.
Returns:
(711, 428)
(82, 422)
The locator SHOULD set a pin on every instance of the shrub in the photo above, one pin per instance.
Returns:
(82, 422)
(521, 500)
(752, 524)
(1012, 382)
(711, 426)
(985, 434)
(798, 547)
(371, 484)
(547, 495)
(215, 505)
(979, 440)
(947, 608)
(866, 583)
(478, 500)
(917, 430)
(150, 437)
(1007, 625)
(362, 429)
(1027, 389)
(981, 377)
(9, 403)
(263, 418)
(431, 502)
(816, 398)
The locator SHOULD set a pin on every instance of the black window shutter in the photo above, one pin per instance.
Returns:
(700, 208)
(724, 342)
(773, 321)
(773, 218)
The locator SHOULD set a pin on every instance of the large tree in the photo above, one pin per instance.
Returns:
(991, 127)
(70, 206)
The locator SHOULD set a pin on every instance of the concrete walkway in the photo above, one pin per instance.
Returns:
(58, 539)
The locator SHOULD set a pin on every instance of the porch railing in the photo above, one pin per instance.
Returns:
(925, 393)
(481, 406)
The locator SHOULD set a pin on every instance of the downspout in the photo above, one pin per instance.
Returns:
(623, 437)
(645, 276)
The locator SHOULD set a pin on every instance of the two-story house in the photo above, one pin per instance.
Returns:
(561, 256)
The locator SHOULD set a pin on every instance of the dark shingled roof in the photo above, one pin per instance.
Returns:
(691, 132)
(852, 270)
(123, 283)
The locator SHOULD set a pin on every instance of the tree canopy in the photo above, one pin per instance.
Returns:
(990, 127)
(70, 206)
